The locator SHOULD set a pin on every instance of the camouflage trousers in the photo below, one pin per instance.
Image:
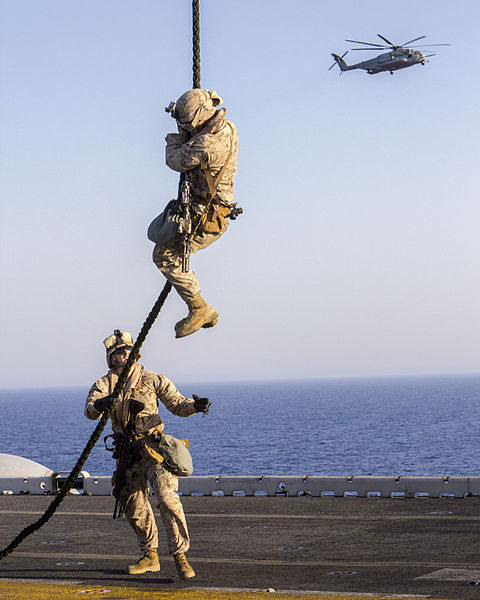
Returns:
(139, 511)
(169, 260)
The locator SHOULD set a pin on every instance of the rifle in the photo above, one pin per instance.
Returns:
(125, 453)
(185, 220)
(184, 206)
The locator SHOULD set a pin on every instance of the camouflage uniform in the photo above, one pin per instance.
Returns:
(147, 387)
(212, 145)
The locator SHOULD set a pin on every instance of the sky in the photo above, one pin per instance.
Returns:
(358, 251)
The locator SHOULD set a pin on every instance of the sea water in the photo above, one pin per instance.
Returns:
(368, 426)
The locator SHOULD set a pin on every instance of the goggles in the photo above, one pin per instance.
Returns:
(192, 124)
(121, 350)
(186, 126)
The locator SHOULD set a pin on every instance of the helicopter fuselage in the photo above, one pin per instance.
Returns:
(391, 61)
(397, 56)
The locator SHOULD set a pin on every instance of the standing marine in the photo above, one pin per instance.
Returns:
(205, 150)
(145, 388)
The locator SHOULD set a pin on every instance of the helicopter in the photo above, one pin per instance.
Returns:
(398, 57)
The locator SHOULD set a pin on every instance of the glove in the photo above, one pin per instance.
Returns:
(103, 404)
(201, 404)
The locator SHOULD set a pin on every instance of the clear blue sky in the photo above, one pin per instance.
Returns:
(358, 252)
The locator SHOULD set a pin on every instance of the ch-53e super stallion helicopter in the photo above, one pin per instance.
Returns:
(398, 57)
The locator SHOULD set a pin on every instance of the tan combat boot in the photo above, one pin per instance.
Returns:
(200, 314)
(148, 562)
(185, 571)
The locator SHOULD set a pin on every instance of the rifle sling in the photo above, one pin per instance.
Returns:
(214, 183)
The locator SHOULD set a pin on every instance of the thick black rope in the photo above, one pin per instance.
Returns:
(70, 481)
(196, 42)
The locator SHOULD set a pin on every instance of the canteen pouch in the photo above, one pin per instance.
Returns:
(164, 228)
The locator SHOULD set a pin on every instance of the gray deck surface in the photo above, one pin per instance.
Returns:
(417, 546)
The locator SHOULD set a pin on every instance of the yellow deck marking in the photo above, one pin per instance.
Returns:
(41, 590)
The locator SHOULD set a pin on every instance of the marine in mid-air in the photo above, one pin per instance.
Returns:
(397, 57)
(205, 151)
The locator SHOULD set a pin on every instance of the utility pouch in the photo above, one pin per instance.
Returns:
(214, 218)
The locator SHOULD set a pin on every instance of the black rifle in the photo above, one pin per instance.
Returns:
(185, 220)
(184, 206)
(125, 452)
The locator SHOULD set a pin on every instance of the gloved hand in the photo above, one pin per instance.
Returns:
(201, 404)
(183, 134)
(103, 404)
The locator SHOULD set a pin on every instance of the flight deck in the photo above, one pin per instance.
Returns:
(348, 547)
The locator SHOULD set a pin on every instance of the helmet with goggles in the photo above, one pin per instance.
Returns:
(116, 342)
(194, 107)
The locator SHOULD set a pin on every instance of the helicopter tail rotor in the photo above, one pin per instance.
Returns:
(339, 61)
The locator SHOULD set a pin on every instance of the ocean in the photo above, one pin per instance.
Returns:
(366, 426)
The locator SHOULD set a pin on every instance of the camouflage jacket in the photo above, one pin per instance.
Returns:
(210, 146)
(145, 386)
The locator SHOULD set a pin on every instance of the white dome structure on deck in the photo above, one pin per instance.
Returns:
(17, 466)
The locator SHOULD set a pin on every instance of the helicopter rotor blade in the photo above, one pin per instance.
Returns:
(428, 45)
(366, 43)
(415, 40)
(428, 55)
(385, 40)
(376, 49)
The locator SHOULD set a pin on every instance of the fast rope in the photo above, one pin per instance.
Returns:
(196, 42)
(70, 481)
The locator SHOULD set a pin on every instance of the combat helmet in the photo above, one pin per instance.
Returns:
(195, 106)
(119, 339)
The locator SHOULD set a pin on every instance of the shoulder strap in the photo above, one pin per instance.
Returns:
(136, 379)
(214, 183)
